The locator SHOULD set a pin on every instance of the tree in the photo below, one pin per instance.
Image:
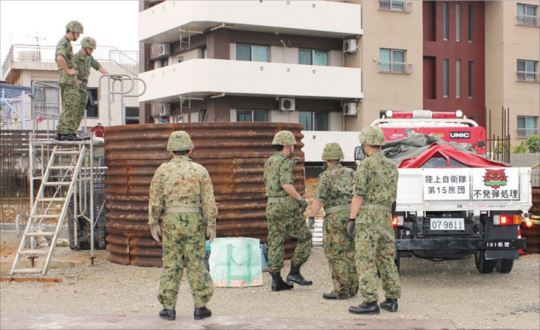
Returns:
(533, 143)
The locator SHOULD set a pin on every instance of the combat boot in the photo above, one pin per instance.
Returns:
(333, 295)
(296, 277)
(278, 284)
(365, 308)
(201, 313)
(167, 314)
(390, 305)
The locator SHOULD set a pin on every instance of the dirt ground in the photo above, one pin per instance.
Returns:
(446, 290)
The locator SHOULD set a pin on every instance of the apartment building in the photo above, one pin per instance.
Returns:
(338, 65)
(34, 66)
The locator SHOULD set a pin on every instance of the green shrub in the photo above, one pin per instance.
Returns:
(533, 143)
(520, 149)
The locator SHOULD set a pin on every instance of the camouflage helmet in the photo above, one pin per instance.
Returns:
(332, 151)
(284, 138)
(88, 42)
(371, 135)
(179, 141)
(74, 26)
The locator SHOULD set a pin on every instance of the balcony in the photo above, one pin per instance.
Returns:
(170, 20)
(200, 78)
(395, 5)
(395, 67)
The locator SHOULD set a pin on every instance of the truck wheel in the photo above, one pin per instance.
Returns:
(483, 265)
(504, 266)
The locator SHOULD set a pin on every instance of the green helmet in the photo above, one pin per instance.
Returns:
(88, 42)
(179, 141)
(332, 151)
(284, 138)
(74, 26)
(371, 135)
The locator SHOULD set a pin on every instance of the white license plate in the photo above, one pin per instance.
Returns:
(447, 224)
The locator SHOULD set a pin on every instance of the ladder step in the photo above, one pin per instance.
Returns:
(46, 216)
(56, 183)
(28, 270)
(67, 152)
(51, 199)
(40, 234)
(62, 167)
(29, 252)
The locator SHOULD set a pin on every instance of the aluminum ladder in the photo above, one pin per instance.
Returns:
(58, 184)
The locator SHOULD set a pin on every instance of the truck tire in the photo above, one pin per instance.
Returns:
(504, 266)
(483, 265)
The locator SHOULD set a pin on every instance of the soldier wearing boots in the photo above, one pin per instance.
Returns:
(334, 192)
(284, 214)
(370, 215)
(182, 192)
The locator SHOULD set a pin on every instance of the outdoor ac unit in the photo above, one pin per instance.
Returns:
(349, 109)
(164, 109)
(350, 46)
(286, 104)
(163, 50)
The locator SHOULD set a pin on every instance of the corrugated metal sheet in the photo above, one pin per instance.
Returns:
(233, 153)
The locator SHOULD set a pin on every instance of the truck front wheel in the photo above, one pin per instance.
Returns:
(504, 266)
(483, 265)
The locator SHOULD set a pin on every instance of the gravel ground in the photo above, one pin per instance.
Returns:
(447, 290)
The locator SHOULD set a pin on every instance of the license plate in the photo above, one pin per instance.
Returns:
(447, 224)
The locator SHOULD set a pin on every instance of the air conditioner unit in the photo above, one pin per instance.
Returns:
(163, 50)
(286, 104)
(164, 109)
(350, 46)
(349, 109)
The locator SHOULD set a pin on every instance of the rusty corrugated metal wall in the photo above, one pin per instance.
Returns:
(233, 153)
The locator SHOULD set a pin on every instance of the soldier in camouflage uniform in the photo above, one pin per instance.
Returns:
(182, 191)
(334, 192)
(69, 84)
(374, 193)
(83, 62)
(284, 213)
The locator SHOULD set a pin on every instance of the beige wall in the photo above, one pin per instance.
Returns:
(506, 42)
(400, 30)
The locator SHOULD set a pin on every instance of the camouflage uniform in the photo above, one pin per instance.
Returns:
(376, 182)
(335, 193)
(283, 214)
(183, 190)
(83, 63)
(69, 89)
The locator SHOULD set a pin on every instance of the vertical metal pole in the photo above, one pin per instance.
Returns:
(92, 220)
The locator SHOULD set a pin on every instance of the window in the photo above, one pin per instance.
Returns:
(313, 121)
(251, 115)
(392, 5)
(526, 70)
(312, 56)
(458, 79)
(527, 125)
(254, 53)
(46, 99)
(392, 60)
(458, 22)
(526, 15)
(471, 78)
(132, 115)
(446, 78)
(470, 23)
(92, 110)
(446, 26)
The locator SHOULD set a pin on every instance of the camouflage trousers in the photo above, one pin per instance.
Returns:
(375, 246)
(83, 100)
(70, 118)
(339, 249)
(285, 219)
(183, 246)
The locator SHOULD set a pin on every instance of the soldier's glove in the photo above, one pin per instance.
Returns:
(155, 231)
(311, 223)
(351, 224)
(211, 232)
(302, 203)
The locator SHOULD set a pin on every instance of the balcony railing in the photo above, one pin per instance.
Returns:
(395, 67)
(395, 5)
(527, 76)
(526, 132)
(526, 20)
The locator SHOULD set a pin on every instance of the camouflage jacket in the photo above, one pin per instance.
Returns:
(64, 48)
(376, 180)
(278, 170)
(335, 186)
(182, 183)
(83, 63)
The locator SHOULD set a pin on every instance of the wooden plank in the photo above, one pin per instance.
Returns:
(31, 279)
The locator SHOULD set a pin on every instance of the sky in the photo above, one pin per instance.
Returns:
(111, 23)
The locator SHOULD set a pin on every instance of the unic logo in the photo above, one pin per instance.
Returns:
(460, 135)
(495, 178)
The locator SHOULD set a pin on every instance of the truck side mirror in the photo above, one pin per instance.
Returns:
(359, 153)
